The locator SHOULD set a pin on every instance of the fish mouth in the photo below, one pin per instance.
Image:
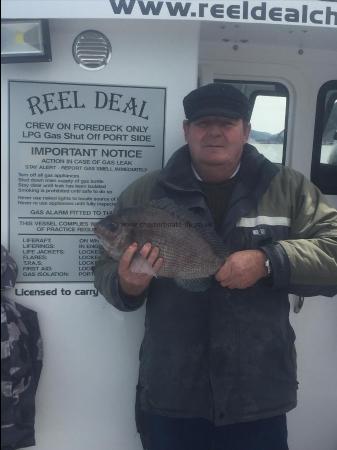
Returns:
(112, 242)
(105, 234)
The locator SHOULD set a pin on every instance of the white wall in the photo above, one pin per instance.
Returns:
(313, 424)
(85, 398)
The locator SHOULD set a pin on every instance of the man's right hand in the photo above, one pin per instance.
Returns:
(131, 283)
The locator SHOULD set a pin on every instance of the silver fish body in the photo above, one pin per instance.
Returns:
(189, 248)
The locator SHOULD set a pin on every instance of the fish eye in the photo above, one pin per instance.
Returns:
(112, 226)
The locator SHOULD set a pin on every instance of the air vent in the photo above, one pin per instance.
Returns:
(92, 50)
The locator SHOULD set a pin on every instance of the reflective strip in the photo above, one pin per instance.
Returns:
(263, 220)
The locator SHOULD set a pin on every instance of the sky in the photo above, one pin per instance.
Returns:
(269, 114)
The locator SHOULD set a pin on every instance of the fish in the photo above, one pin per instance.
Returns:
(190, 248)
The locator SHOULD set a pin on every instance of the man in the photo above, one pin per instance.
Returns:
(218, 368)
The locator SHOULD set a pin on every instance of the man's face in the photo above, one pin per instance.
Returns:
(216, 141)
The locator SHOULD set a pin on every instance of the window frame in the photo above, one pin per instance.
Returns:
(324, 176)
(280, 91)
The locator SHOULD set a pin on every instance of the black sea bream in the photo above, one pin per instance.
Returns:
(190, 248)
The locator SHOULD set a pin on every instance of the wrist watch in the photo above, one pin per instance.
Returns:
(267, 265)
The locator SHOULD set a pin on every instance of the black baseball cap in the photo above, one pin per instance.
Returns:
(216, 99)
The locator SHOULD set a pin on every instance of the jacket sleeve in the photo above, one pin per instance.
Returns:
(106, 280)
(306, 263)
(105, 270)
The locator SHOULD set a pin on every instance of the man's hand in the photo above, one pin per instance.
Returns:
(135, 283)
(242, 269)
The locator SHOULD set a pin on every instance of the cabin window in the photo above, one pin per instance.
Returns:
(268, 125)
(324, 158)
(269, 107)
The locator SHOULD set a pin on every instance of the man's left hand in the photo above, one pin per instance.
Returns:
(242, 269)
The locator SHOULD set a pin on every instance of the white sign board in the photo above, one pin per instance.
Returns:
(72, 149)
(304, 13)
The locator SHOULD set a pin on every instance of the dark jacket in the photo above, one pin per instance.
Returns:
(21, 364)
(229, 355)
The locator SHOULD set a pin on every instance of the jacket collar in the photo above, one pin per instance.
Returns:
(178, 173)
(254, 177)
(255, 171)
(252, 180)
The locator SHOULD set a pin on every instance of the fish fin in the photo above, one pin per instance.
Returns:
(140, 264)
(194, 285)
